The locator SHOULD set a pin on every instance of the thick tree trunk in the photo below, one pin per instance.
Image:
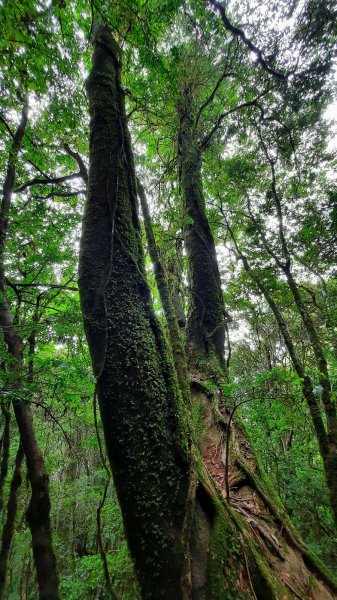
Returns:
(38, 514)
(8, 529)
(140, 403)
(237, 518)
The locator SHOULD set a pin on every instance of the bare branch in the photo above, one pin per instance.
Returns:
(212, 95)
(47, 181)
(78, 158)
(237, 32)
(50, 286)
(205, 142)
(61, 194)
(4, 122)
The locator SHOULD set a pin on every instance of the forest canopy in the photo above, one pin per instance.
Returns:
(168, 300)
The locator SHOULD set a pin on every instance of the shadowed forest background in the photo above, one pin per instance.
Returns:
(192, 452)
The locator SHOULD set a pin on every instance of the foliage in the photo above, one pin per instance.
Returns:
(259, 133)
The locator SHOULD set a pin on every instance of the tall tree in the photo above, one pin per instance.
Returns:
(180, 530)
(139, 399)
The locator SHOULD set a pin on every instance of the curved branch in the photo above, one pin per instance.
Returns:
(212, 95)
(237, 32)
(47, 181)
(205, 142)
(78, 158)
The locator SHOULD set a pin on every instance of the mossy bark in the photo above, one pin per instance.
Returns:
(174, 272)
(237, 547)
(5, 443)
(206, 322)
(166, 297)
(187, 541)
(140, 401)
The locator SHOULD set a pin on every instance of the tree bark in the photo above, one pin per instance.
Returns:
(206, 322)
(325, 437)
(8, 529)
(178, 350)
(139, 399)
(182, 533)
(230, 469)
(5, 450)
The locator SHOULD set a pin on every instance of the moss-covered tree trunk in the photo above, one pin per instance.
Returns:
(139, 398)
(206, 323)
(241, 541)
(9, 524)
(5, 444)
(171, 315)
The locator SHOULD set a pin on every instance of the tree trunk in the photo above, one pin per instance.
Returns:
(178, 350)
(5, 450)
(140, 403)
(38, 513)
(238, 519)
(187, 541)
(206, 323)
(325, 435)
(8, 530)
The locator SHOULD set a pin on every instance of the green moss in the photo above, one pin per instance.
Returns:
(265, 584)
(224, 559)
(197, 413)
(143, 414)
(205, 331)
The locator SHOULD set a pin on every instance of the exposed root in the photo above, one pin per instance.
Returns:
(272, 551)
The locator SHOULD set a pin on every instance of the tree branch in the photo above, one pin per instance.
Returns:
(237, 32)
(46, 285)
(47, 181)
(4, 122)
(212, 95)
(78, 158)
(205, 142)
(61, 194)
